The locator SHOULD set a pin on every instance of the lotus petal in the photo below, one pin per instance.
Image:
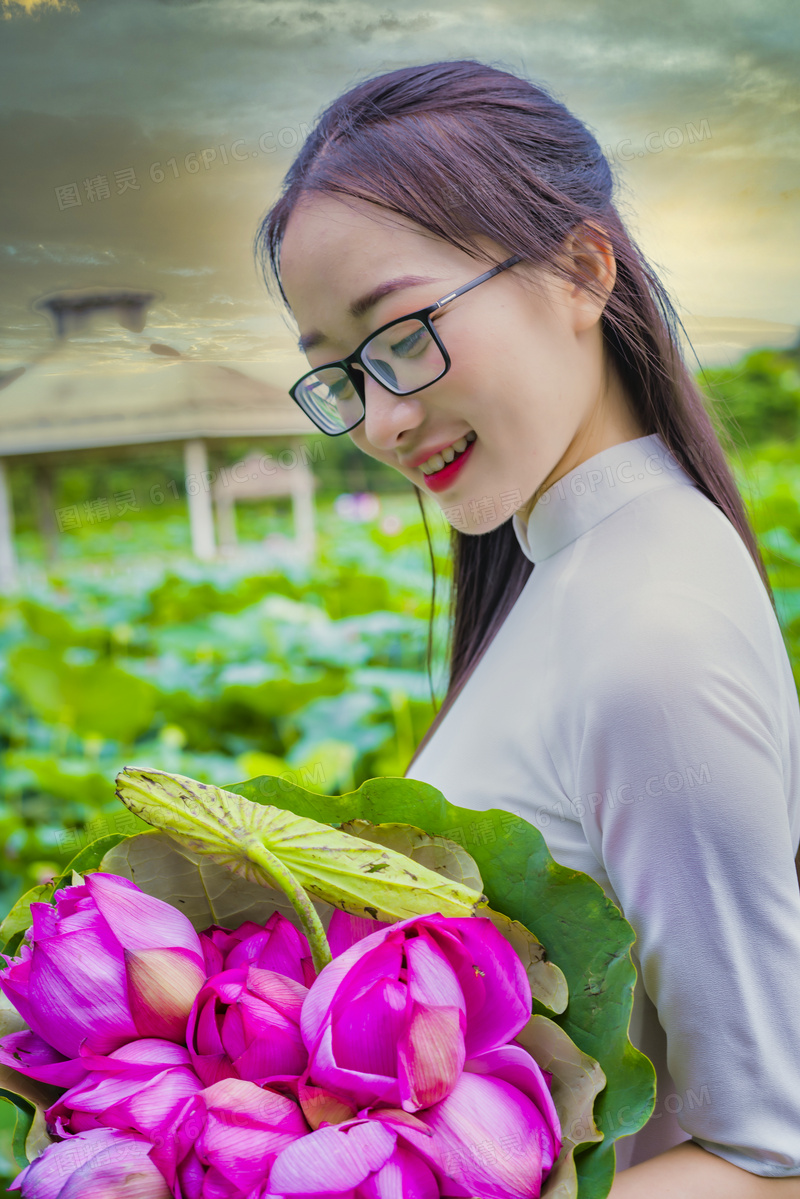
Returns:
(138, 921)
(27, 1053)
(345, 930)
(333, 1160)
(430, 1054)
(93, 1164)
(162, 986)
(489, 1139)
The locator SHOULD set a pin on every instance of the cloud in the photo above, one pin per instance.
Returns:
(34, 8)
(187, 272)
(200, 106)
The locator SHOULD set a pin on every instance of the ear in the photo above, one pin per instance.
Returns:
(588, 251)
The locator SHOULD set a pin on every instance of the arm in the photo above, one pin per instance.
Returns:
(689, 1172)
(677, 749)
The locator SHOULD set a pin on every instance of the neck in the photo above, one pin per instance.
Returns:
(585, 444)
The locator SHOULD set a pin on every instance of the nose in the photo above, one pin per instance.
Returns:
(388, 416)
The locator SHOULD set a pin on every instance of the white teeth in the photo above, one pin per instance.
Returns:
(437, 461)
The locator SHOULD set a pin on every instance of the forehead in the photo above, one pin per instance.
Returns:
(334, 250)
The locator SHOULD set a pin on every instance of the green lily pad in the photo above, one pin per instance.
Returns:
(205, 891)
(439, 854)
(585, 935)
(303, 857)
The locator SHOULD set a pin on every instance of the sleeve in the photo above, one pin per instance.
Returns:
(678, 750)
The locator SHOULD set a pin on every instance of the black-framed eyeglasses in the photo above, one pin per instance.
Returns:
(404, 356)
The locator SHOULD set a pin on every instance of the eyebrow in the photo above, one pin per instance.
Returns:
(363, 304)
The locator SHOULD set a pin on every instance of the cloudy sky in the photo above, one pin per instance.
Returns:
(141, 142)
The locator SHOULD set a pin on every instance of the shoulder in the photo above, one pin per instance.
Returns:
(667, 585)
(674, 655)
(672, 631)
(679, 680)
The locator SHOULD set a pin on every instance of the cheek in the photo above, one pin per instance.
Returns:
(359, 440)
(496, 361)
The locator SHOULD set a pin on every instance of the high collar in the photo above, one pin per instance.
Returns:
(594, 490)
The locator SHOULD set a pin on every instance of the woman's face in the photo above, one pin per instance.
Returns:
(526, 381)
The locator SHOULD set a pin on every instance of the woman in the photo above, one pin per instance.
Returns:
(618, 675)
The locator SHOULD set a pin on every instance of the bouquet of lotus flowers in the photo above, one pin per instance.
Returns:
(327, 997)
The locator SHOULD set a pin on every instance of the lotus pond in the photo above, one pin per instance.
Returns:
(229, 671)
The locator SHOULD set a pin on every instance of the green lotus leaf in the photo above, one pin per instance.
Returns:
(548, 983)
(355, 875)
(86, 859)
(19, 919)
(203, 890)
(24, 1116)
(208, 893)
(577, 1080)
(300, 856)
(585, 934)
(31, 1099)
(444, 857)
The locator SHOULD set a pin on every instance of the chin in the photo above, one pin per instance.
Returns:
(479, 532)
(475, 520)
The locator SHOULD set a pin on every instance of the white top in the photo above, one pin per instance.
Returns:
(638, 707)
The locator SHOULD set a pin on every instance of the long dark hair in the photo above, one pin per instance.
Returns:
(465, 149)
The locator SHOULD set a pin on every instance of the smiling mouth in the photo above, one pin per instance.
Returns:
(437, 462)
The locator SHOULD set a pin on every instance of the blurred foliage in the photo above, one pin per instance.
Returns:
(756, 403)
(155, 477)
(758, 399)
(219, 671)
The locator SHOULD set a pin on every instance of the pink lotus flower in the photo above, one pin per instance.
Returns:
(225, 1139)
(245, 1023)
(361, 1159)
(276, 945)
(27, 1053)
(497, 1133)
(393, 1018)
(102, 1164)
(392, 1075)
(106, 965)
(139, 1088)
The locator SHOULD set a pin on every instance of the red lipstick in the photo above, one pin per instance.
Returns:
(440, 480)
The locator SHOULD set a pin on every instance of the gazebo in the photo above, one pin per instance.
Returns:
(96, 391)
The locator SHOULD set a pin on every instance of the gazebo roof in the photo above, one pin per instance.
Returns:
(73, 399)
(115, 386)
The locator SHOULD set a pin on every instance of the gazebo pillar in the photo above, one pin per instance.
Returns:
(8, 561)
(303, 506)
(198, 498)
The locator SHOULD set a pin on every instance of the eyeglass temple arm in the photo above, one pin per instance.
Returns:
(481, 279)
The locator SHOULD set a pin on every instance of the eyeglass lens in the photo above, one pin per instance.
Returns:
(404, 357)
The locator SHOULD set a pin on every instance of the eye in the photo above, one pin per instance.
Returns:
(341, 387)
(416, 340)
